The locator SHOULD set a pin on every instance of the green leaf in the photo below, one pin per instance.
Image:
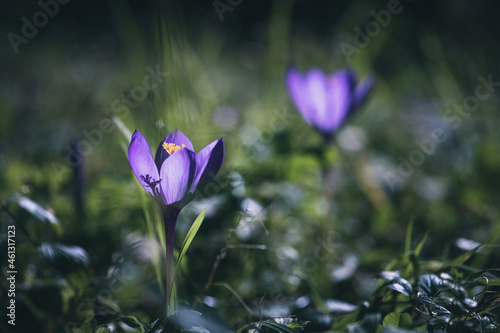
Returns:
(411, 256)
(278, 327)
(430, 303)
(34, 209)
(316, 295)
(298, 326)
(293, 323)
(338, 307)
(401, 286)
(397, 320)
(80, 278)
(102, 330)
(38, 212)
(438, 321)
(189, 237)
(65, 258)
(133, 322)
(275, 327)
(57, 251)
(489, 282)
(420, 244)
(173, 298)
(368, 324)
(429, 284)
(463, 257)
(396, 282)
(341, 325)
(241, 329)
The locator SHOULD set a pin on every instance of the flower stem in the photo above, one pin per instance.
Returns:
(169, 279)
(328, 179)
(327, 175)
(170, 218)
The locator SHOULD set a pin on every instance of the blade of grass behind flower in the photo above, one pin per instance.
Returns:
(420, 244)
(127, 133)
(482, 256)
(279, 30)
(411, 256)
(316, 296)
(173, 51)
(437, 63)
(414, 257)
(408, 240)
(462, 258)
(155, 232)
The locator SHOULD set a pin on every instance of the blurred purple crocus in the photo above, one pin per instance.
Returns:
(172, 177)
(325, 102)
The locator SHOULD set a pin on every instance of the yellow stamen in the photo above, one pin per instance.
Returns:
(172, 147)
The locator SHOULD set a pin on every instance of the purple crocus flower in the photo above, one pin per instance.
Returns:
(172, 177)
(326, 101)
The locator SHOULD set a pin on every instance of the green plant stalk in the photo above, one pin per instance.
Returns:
(327, 176)
(170, 219)
(169, 279)
(327, 172)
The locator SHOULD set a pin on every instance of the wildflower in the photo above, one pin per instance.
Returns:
(172, 177)
(325, 102)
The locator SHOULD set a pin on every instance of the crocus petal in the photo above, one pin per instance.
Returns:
(142, 163)
(179, 139)
(176, 174)
(317, 84)
(362, 90)
(208, 163)
(297, 88)
(176, 137)
(326, 102)
(341, 85)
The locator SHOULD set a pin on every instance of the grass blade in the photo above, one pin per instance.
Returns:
(189, 237)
